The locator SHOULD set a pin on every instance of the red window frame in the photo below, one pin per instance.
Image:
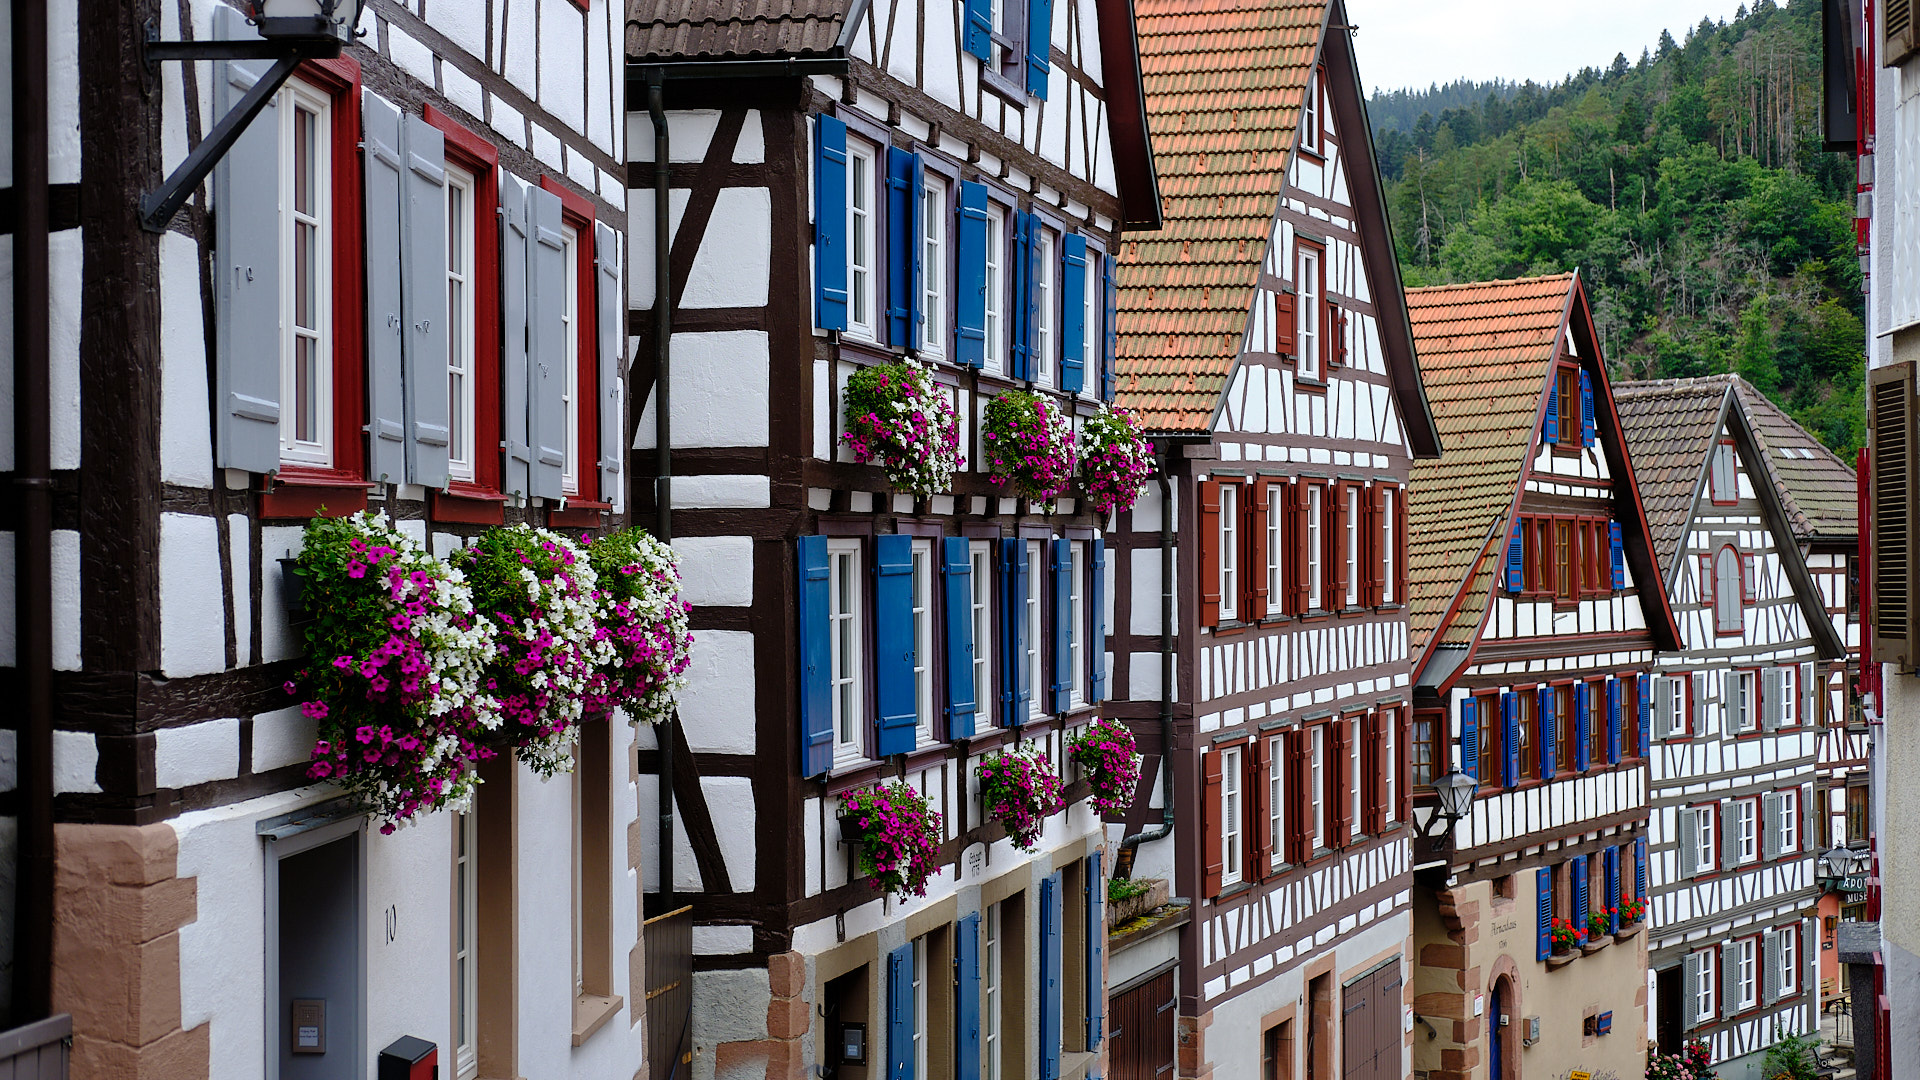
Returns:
(1565, 557)
(1597, 724)
(1566, 728)
(1802, 843)
(299, 490)
(1629, 716)
(1567, 421)
(1492, 737)
(583, 507)
(1526, 706)
(1433, 723)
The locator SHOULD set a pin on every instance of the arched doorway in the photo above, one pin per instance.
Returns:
(1499, 1018)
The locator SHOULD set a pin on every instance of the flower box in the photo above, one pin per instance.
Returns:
(898, 847)
(1027, 441)
(1628, 933)
(1020, 789)
(898, 417)
(1120, 912)
(1105, 754)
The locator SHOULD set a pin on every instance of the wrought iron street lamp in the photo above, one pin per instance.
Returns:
(1843, 862)
(1456, 791)
(290, 31)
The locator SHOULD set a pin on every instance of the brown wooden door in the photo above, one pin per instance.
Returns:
(1140, 1044)
(1370, 1042)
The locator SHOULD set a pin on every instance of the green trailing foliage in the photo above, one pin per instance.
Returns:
(1689, 188)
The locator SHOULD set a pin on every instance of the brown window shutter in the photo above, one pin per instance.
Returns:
(1372, 800)
(1211, 859)
(1337, 781)
(1259, 796)
(1299, 805)
(1373, 555)
(1890, 444)
(1255, 572)
(1336, 336)
(1296, 569)
(1337, 547)
(1209, 526)
(1284, 325)
(1400, 568)
(1898, 37)
(1403, 780)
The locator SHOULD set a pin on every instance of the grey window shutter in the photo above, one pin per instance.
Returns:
(1807, 710)
(1700, 704)
(1729, 835)
(1773, 691)
(1690, 980)
(1689, 842)
(1770, 826)
(515, 261)
(610, 323)
(246, 221)
(386, 320)
(1729, 970)
(549, 349)
(424, 221)
(1772, 965)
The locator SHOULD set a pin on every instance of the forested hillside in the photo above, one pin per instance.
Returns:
(1691, 191)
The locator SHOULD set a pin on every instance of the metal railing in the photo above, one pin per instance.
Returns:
(37, 1051)
(669, 946)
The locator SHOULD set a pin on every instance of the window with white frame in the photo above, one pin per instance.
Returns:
(1787, 689)
(920, 1006)
(1353, 546)
(1740, 709)
(1076, 679)
(843, 566)
(1317, 782)
(1389, 549)
(1091, 383)
(570, 319)
(1044, 292)
(933, 273)
(1355, 779)
(1229, 551)
(1746, 975)
(1705, 983)
(1306, 312)
(981, 582)
(862, 226)
(1230, 824)
(1037, 690)
(1788, 977)
(1672, 700)
(996, 280)
(306, 275)
(1746, 830)
(1276, 554)
(923, 639)
(466, 919)
(1310, 116)
(1706, 850)
(1789, 821)
(1276, 799)
(1389, 764)
(990, 1003)
(1316, 569)
(461, 321)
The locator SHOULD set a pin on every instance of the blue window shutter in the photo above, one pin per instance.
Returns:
(956, 568)
(1618, 548)
(1470, 738)
(900, 1013)
(893, 642)
(1097, 606)
(1580, 906)
(1062, 683)
(423, 219)
(552, 347)
(1019, 271)
(917, 247)
(1588, 429)
(1582, 722)
(1612, 863)
(1553, 412)
(1510, 729)
(1110, 328)
(970, 277)
(1039, 46)
(1516, 559)
(1543, 898)
(980, 28)
(1073, 312)
(1096, 936)
(610, 329)
(900, 244)
(246, 223)
(966, 1009)
(516, 239)
(1645, 699)
(830, 223)
(383, 164)
(1613, 721)
(1548, 727)
(1016, 691)
(1640, 868)
(816, 657)
(1050, 1003)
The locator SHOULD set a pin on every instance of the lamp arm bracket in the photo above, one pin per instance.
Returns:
(158, 207)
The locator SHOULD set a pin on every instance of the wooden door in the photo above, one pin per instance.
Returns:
(1140, 1044)
(1370, 1042)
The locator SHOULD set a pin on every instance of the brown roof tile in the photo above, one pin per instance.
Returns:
(732, 29)
(1816, 484)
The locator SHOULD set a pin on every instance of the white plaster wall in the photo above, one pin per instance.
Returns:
(720, 391)
(192, 610)
(196, 753)
(409, 887)
(732, 266)
(715, 571)
(283, 737)
(76, 755)
(717, 707)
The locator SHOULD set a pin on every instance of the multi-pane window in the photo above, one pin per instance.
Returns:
(1704, 1005)
(1527, 735)
(861, 243)
(1566, 726)
(996, 281)
(1351, 547)
(990, 993)
(846, 643)
(466, 917)
(1789, 975)
(1077, 623)
(1425, 751)
(1787, 686)
(981, 582)
(1354, 778)
(1307, 312)
(1389, 546)
(1316, 570)
(1310, 116)
(1276, 554)
(1043, 298)
(1229, 551)
(1088, 327)
(1857, 814)
(1746, 830)
(1566, 576)
(920, 1006)
(461, 321)
(933, 262)
(1746, 975)
(1706, 846)
(570, 396)
(922, 590)
(1672, 701)
(1492, 734)
(1276, 798)
(1789, 821)
(1389, 764)
(1596, 723)
(1317, 782)
(1230, 824)
(1037, 689)
(1567, 400)
(306, 275)
(1629, 716)
(1741, 708)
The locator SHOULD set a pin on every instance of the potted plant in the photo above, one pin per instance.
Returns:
(644, 619)
(1115, 460)
(897, 415)
(393, 675)
(1028, 444)
(897, 835)
(1020, 788)
(1632, 911)
(539, 591)
(1599, 931)
(1104, 752)
(1566, 937)
(1694, 1062)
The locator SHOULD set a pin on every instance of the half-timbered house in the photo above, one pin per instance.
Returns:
(817, 190)
(1733, 740)
(400, 290)
(1536, 611)
(1259, 639)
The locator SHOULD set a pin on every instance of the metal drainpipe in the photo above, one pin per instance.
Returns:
(1166, 667)
(33, 480)
(663, 438)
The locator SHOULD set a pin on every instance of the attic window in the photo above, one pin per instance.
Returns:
(1310, 115)
(1723, 484)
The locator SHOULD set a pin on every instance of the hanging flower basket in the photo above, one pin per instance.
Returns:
(1028, 444)
(540, 593)
(1104, 751)
(1115, 460)
(897, 835)
(644, 620)
(393, 669)
(1019, 788)
(898, 417)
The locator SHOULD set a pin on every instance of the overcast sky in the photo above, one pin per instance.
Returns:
(1411, 43)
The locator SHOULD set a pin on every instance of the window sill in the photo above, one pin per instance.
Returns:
(590, 1014)
(578, 514)
(1230, 891)
(467, 504)
(1310, 383)
(301, 492)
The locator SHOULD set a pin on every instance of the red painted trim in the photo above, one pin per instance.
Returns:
(579, 515)
(577, 212)
(476, 155)
(339, 79)
(462, 139)
(467, 506)
(314, 499)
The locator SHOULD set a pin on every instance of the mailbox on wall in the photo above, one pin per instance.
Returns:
(408, 1058)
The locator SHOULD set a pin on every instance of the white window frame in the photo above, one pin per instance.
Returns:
(1036, 654)
(1316, 547)
(919, 1019)
(1746, 830)
(1044, 372)
(1789, 973)
(1706, 990)
(990, 979)
(1352, 599)
(1746, 974)
(1276, 553)
(1789, 821)
(466, 929)
(994, 321)
(1306, 311)
(933, 264)
(862, 241)
(921, 604)
(298, 98)
(1354, 779)
(1675, 687)
(980, 556)
(1389, 763)
(1706, 835)
(1389, 545)
(1310, 115)
(1077, 625)
(1232, 828)
(1229, 551)
(1746, 692)
(1090, 360)
(847, 646)
(461, 298)
(1276, 800)
(570, 319)
(1788, 683)
(1317, 781)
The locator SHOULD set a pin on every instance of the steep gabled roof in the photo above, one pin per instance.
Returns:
(1225, 83)
(1815, 483)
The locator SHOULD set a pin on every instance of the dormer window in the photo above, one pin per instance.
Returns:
(1567, 406)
